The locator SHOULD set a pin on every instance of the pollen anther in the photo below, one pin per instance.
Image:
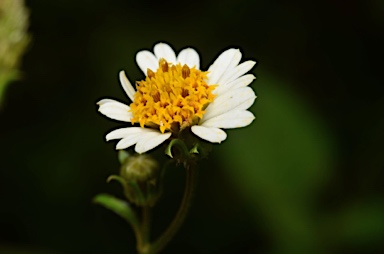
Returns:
(185, 71)
(173, 95)
(164, 65)
(150, 73)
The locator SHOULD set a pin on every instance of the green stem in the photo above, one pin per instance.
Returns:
(146, 224)
(168, 234)
(143, 239)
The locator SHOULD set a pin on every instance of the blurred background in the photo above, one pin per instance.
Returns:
(305, 177)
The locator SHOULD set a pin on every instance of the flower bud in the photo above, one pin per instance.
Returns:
(139, 168)
(141, 178)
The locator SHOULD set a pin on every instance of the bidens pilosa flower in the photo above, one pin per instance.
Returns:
(176, 94)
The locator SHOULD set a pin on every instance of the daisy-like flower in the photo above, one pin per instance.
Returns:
(176, 95)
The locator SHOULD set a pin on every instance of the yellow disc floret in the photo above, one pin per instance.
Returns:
(171, 98)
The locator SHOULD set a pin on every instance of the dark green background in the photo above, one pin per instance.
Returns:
(305, 177)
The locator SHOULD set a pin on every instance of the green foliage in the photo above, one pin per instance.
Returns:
(279, 162)
(359, 224)
(120, 207)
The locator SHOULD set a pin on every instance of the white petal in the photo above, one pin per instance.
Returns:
(210, 134)
(225, 62)
(237, 99)
(127, 142)
(130, 135)
(146, 60)
(103, 101)
(236, 72)
(189, 57)
(232, 119)
(150, 140)
(115, 110)
(237, 83)
(144, 138)
(124, 132)
(127, 86)
(163, 50)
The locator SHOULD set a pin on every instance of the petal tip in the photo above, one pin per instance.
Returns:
(122, 74)
(119, 146)
(100, 102)
(161, 43)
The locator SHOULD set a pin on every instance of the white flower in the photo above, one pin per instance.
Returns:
(177, 94)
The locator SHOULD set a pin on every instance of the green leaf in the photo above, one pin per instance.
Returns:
(120, 207)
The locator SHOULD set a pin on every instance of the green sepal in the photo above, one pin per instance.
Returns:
(117, 178)
(194, 149)
(122, 155)
(118, 206)
(137, 194)
(180, 144)
(127, 192)
(154, 191)
(132, 190)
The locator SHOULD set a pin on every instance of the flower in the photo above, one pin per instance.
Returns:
(176, 95)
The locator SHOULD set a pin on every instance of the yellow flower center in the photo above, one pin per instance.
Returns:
(171, 98)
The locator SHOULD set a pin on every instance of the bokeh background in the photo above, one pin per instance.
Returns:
(305, 177)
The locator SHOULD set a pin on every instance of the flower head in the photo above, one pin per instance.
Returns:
(176, 94)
